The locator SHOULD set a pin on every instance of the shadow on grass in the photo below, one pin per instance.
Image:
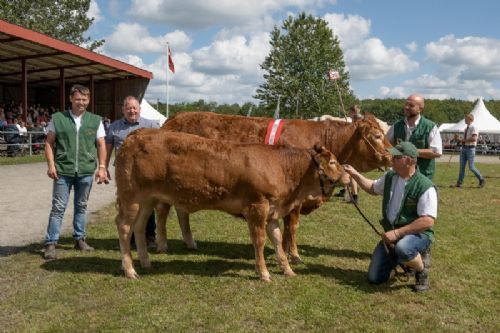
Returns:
(314, 251)
(235, 257)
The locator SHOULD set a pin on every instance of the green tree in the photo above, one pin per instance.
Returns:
(302, 52)
(62, 19)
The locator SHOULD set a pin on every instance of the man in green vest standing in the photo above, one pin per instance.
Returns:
(409, 210)
(420, 131)
(74, 148)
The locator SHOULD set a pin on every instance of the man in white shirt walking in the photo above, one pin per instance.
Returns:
(468, 152)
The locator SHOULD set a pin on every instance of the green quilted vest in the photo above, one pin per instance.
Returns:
(420, 138)
(414, 188)
(75, 153)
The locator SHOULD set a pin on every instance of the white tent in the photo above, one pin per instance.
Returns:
(149, 112)
(484, 121)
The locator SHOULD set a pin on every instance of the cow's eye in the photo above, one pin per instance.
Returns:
(332, 162)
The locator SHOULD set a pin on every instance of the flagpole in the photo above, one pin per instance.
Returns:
(168, 55)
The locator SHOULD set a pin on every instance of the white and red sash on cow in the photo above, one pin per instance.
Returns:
(274, 131)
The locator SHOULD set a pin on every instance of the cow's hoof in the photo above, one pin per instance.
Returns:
(295, 260)
(265, 278)
(161, 249)
(146, 264)
(289, 273)
(192, 246)
(132, 275)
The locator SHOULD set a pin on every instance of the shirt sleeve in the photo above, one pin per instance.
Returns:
(427, 203)
(101, 133)
(51, 127)
(473, 129)
(390, 135)
(378, 185)
(435, 142)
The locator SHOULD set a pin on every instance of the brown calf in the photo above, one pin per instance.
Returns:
(257, 182)
(361, 144)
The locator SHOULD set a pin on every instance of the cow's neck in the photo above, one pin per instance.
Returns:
(341, 140)
(307, 182)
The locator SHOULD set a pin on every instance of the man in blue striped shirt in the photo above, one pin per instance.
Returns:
(117, 134)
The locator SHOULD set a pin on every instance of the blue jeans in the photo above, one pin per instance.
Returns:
(405, 250)
(467, 154)
(60, 196)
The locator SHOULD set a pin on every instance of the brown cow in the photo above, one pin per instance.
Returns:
(260, 183)
(362, 145)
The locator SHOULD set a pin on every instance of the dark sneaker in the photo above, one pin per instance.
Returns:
(456, 185)
(82, 245)
(481, 183)
(341, 194)
(50, 252)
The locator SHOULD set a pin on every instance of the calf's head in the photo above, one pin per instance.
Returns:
(329, 168)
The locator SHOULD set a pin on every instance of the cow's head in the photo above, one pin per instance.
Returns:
(372, 148)
(329, 168)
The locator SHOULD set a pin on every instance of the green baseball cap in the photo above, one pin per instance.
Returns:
(404, 148)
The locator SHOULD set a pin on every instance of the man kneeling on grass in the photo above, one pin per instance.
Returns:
(409, 209)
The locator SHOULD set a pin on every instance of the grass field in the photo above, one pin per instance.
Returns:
(215, 288)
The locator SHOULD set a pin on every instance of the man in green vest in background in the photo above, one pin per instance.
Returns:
(420, 131)
(409, 210)
(74, 148)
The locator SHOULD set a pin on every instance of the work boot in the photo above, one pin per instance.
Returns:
(422, 280)
(50, 252)
(81, 245)
(481, 182)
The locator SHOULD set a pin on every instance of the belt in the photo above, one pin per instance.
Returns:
(469, 146)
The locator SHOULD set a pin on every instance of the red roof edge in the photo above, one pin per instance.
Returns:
(38, 38)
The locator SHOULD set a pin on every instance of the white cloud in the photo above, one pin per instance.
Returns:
(412, 46)
(476, 58)
(205, 13)
(372, 60)
(135, 38)
(236, 55)
(366, 58)
(350, 29)
(395, 92)
(94, 11)
(432, 86)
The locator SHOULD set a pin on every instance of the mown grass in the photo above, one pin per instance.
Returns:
(22, 159)
(215, 288)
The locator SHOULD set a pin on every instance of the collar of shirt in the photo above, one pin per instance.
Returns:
(126, 122)
(416, 122)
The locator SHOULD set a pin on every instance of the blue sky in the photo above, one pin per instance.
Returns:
(441, 48)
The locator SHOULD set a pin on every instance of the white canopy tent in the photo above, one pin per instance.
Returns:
(485, 122)
(149, 112)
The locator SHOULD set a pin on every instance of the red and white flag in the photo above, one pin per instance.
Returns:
(170, 61)
(333, 75)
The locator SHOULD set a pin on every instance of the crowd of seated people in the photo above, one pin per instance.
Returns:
(15, 132)
(484, 145)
